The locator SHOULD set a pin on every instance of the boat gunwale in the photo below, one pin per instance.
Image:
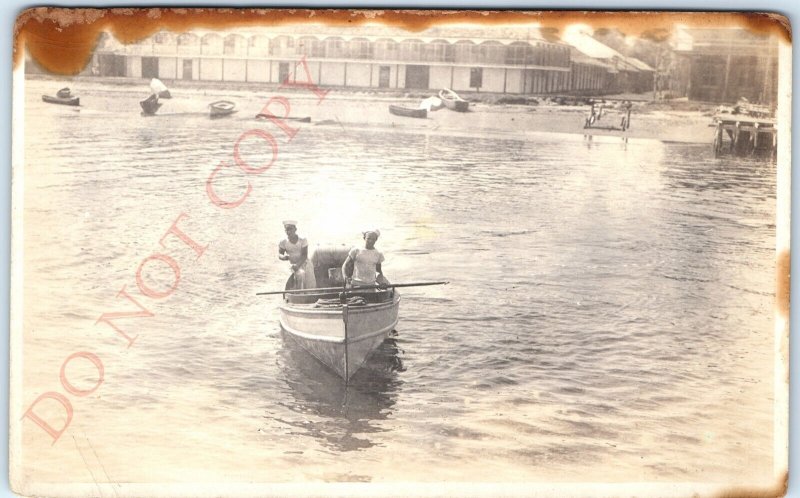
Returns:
(331, 313)
(338, 340)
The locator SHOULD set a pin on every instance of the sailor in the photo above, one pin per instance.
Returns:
(295, 250)
(363, 266)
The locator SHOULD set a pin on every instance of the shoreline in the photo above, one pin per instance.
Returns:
(668, 121)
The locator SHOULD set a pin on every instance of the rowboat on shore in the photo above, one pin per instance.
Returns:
(339, 328)
(150, 105)
(398, 110)
(74, 101)
(453, 101)
(221, 108)
(62, 97)
(303, 119)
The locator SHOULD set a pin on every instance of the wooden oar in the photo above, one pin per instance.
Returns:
(351, 289)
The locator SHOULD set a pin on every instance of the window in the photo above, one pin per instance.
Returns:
(476, 77)
(436, 51)
(334, 47)
(463, 51)
(230, 45)
(519, 53)
(361, 49)
(186, 39)
(386, 50)
(411, 50)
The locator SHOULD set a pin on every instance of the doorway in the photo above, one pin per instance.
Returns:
(418, 76)
(187, 69)
(383, 76)
(149, 67)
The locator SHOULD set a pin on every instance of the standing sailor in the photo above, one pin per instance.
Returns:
(295, 249)
(363, 266)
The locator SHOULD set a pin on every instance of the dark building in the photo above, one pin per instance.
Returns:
(725, 65)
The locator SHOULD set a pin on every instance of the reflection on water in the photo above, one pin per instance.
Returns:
(345, 412)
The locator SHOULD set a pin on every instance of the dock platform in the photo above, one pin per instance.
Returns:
(744, 136)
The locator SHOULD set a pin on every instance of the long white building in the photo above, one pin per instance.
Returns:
(514, 60)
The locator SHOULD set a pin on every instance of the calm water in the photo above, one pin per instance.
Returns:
(609, 315)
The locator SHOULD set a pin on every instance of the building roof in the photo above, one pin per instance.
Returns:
(579, 57)
(588, 45)
(716, 41)
(640, 65)
(505, 35)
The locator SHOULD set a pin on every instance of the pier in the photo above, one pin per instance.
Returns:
(744, 136)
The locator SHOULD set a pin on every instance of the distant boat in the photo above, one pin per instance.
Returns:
(63, 97)
(160, 89)
(452, 101)
(398, 110)
(304, 119)
(73, 101)
(150, 105)
(221, 108)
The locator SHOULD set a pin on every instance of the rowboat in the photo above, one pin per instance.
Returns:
(304, 119)
(150, 105)
(398, 110)
(61, 100)
(221, 108)
(452, 101)
(340, 329)
(63, 97)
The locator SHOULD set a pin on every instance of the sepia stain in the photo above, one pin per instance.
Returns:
(62, 40)
(782, 303)
(779, 489)
(783, 282)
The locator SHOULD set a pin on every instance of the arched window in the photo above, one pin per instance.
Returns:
(259, 45)
(310, 46)
(463, 51)
(187, 39)
(334, 48)
(281, 46)
(520, 53)
(212, 44)
(438, 51)
(386, 49)
(411, 50)
(491, 52)
(164, 38)
(234, 45)
(361, 48)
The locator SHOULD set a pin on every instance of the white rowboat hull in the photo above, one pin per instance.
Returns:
(322, 331)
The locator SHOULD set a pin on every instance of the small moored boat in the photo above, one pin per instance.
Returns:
(150, 105)
(221, 108)
(398, 110)
(304, 119)
(339, 329)
(62, 97)
(453, 101)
